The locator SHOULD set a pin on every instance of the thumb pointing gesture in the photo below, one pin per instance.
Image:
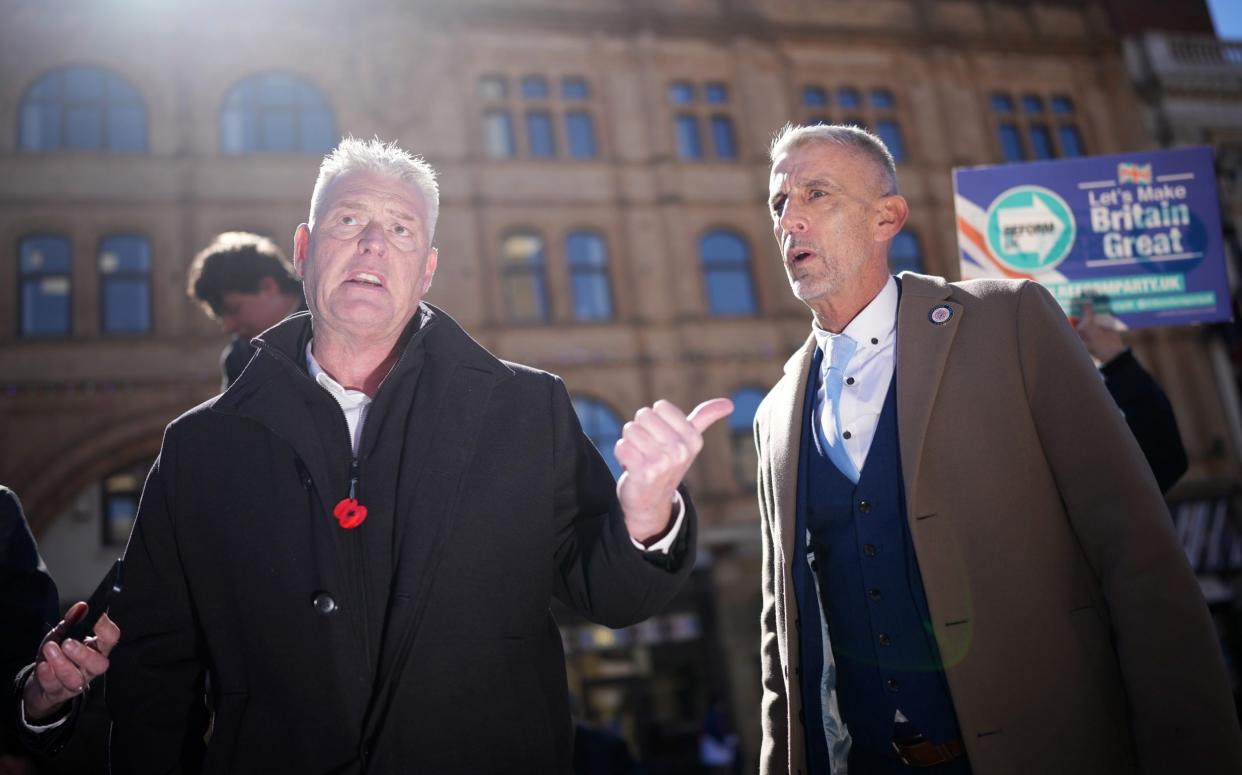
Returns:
(657, 448)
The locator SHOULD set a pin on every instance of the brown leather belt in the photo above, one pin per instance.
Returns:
(925, 753)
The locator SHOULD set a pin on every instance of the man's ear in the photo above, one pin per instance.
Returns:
(301, 244)
(891, 214)
(433, 256)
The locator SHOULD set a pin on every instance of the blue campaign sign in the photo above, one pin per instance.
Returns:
(1138, 233)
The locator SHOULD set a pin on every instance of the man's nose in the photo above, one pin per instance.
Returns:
(372, 239)
(791, 219)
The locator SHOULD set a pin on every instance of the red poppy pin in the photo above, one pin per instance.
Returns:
(349, 513)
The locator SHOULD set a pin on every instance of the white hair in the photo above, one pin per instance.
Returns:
(374, 155)
(792, 136)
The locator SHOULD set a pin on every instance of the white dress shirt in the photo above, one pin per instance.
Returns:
(355, 404)
(867, 375)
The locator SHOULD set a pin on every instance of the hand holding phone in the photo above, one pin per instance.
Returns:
(80, 619)
(68, 658)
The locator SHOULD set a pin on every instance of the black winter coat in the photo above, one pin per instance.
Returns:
(420, 641)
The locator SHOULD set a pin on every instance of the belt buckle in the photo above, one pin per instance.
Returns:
(908, 742)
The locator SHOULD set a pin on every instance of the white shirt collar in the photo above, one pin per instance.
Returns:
(347, 398)
(871, 329)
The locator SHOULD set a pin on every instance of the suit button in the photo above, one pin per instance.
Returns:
(869, 550)
(324, 603)
(891, 684)
(864, 507)
(873, 594)
(885, 640)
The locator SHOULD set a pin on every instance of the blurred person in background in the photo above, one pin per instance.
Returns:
(244, 282)
(1146, 408)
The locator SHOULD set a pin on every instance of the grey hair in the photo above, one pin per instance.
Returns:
(374, 155)
(792, 136)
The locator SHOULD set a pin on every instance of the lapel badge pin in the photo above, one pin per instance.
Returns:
(940, 314)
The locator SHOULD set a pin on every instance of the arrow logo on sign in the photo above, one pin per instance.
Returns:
(1032, 230)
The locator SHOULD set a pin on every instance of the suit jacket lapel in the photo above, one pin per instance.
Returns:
(923, 344)
(786, 440)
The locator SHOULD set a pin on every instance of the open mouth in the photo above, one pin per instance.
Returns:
(366, 279)
(798, 255)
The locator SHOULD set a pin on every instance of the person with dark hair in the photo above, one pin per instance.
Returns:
(246, 284)
(1147, 410)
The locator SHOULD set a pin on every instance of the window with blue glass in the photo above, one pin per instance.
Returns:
(539, 134)
(722, 137)
(524, 283)
(276, 113)
(1011, 142)
(602, 426)
(716, 93)
(879, 113)
(689, 144)
(905, 254)
(544, 108)
(82, 109)
(1071, 141)
(741, 436)
(1041, 141)
(589, 285)
(125, 285)
(726, 274)
(535, 87)
(699, 109)
(580, 132)
(1044, 128)
(44, 284)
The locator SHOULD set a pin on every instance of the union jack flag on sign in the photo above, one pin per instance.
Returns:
(1133, 173)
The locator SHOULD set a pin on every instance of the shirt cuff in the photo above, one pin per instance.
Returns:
(665, 544)
(35, 727)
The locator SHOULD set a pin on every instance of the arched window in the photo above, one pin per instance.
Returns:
(726, 274)
(45, 275)
(601, 426)
(905, 254)
(276, 113)
(125, 285)
(588, 276)
(82, 109)
(525, 286)
(741, 437)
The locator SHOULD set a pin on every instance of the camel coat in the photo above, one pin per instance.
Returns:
(1073, 634)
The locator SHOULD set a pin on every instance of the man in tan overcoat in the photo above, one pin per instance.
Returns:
(967, 566)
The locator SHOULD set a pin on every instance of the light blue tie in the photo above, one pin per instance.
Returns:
(842, 350)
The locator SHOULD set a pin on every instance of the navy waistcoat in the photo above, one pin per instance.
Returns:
(862, 559)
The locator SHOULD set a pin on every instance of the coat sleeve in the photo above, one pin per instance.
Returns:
(774, 707)
(599, 571)
(1166, 647)
(155, 680)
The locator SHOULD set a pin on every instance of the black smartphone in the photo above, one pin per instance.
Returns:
(80, 624)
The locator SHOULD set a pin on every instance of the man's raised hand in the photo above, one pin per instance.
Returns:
(656, 449)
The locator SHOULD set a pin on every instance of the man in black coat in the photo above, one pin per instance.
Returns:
(352, 551)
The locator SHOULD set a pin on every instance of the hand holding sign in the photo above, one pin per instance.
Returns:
(657, 448)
